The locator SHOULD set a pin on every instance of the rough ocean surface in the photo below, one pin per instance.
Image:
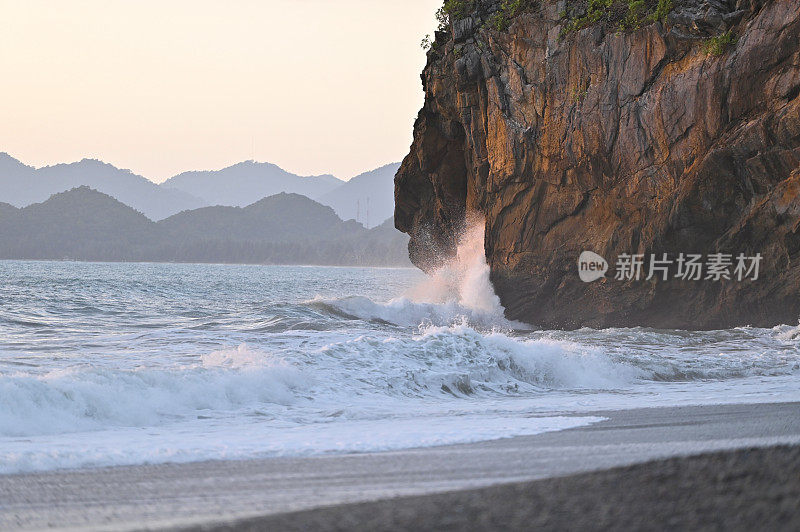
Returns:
(115, 364)
(634, 141)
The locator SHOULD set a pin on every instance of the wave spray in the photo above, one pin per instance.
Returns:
(464, 280)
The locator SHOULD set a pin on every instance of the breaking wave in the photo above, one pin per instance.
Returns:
(153, 372)
(92, 399)
(309, 384)
(459, 290)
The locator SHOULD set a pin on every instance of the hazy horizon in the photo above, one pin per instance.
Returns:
(160, 89)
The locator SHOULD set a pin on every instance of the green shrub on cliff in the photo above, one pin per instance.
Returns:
(662, 10)
(634, 16)
(578, 92)
(622, 14)
(453, 10)
(717, 45)
(596, 10)
(509, 9)
(459, 8)
(426, 42)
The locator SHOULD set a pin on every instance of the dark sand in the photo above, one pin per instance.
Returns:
(205, 493)
(752, 489)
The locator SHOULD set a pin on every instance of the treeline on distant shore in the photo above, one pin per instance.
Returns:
(83, 224)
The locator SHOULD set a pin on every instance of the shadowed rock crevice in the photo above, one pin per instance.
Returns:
(636, 140)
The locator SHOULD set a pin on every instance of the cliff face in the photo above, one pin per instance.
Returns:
(646, 141)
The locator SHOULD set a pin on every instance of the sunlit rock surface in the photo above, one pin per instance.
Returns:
(634, 141)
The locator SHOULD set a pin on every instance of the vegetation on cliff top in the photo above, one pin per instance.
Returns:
(622, 14)
(453, 10)
(619, 15)
(631, 15)
(509, 9)
(498, 19)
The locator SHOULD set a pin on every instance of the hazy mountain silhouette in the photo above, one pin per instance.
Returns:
(22, 185)
(243, 183)
(281, 229)
(367, 198)
(386, 241)
(17, 182)
(279, 218)
(84, 224)
(79, 224)
(7, 209)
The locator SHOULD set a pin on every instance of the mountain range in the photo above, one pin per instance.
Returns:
(367, 198)
(239, 184)
(22, 185)
(85, 224)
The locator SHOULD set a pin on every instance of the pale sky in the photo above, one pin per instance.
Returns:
(160, 87)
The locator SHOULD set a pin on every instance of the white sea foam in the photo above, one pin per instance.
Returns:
(465, 279)
(788, 333)
(91, 399)
(459, 290)
(407, 312)
(146, 376)
(362, 372)
(193, 442)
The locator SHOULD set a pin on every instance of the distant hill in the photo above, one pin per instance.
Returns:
(79, 224)
(386, 241)
(280, 229)
(242, 184)
(279, 218)
(22, 185)
(17, 182)
(7, 209)
(84, 224)
(367, 198)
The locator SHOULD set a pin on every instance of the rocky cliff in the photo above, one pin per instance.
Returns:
(625, 128)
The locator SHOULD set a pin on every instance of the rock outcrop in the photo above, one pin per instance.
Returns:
(569, 132)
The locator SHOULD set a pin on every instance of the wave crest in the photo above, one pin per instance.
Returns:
(459, 290)
(81, 400)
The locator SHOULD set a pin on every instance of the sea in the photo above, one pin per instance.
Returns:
(105, 364)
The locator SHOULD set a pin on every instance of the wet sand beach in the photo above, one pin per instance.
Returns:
(747, 489)
(228, 493)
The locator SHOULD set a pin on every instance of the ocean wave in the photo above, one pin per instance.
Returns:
(354, 374)
(91, 399)
(438, 363)
(405, 312)
(458, 291)
(788, 333)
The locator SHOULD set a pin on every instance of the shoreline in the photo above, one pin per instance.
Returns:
(217, 492)
(745, 489)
